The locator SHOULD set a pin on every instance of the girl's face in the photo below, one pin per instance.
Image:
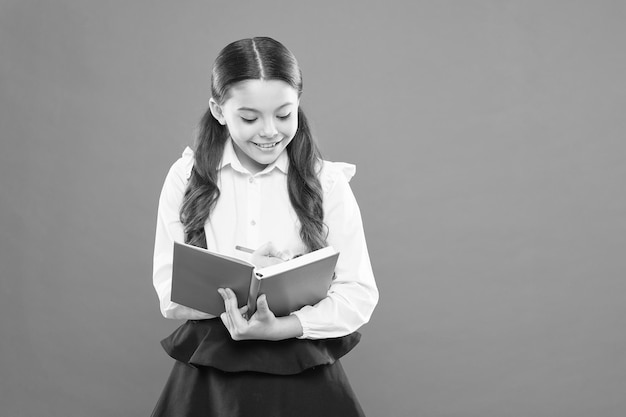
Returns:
(261, 117)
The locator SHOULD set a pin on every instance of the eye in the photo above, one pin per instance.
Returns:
(285, 117)
(249, 121)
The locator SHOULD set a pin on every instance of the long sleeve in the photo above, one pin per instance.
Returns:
(254, 209)
(353, 293)
(170, 229)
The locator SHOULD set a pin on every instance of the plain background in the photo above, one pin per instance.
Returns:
(489, 141)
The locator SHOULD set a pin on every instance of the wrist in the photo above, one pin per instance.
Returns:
(287, 327)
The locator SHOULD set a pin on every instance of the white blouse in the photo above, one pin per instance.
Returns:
(255, 209)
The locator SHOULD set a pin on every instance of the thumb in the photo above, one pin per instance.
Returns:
(261, 305)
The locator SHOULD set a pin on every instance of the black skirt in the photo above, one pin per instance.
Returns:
(216, 376)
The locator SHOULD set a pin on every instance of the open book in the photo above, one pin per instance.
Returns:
(288, 286)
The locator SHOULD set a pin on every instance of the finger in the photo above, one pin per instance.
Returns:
(230, 299)
(233, 311)
(227, 315)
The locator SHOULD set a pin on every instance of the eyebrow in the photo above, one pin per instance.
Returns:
(256, 111)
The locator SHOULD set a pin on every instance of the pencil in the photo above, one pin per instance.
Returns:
(244, 249)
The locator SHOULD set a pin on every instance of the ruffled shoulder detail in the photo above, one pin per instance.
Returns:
(185, 163)
(207, 343)
(334, 171)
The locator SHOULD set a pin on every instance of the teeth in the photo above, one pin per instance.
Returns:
(266, 145)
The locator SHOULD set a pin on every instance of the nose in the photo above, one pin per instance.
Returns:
(269, 130)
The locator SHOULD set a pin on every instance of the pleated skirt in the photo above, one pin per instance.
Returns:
(216, 376)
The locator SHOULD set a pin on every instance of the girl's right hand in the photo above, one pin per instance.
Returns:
(268, 254)
(263, 325)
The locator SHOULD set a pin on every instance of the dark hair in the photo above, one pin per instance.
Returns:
(258, 58)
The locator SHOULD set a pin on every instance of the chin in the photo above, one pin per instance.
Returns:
(266, 159)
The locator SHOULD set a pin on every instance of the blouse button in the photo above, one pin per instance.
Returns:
(251, 180)
(253, 223)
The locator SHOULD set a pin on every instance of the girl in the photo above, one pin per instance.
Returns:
(254, 177)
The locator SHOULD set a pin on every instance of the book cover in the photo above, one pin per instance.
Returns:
(198, 273)
(288, 286)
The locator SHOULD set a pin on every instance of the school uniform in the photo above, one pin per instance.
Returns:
(216, 376)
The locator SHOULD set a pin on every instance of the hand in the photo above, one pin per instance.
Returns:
(268, 254)
(263, 325)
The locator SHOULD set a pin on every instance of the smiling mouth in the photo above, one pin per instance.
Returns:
(266, 145)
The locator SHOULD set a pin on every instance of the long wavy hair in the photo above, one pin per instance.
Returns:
(259, 58)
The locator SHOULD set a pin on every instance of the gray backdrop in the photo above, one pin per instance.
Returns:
(489, 140)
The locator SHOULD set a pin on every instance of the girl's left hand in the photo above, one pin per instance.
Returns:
(263, 325)
(268, 254)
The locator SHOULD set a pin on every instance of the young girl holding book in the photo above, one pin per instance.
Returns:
(255, 176)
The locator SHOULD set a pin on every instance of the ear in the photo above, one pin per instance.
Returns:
(216, 111)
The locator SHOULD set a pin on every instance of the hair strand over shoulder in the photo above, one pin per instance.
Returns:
(258, 58)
